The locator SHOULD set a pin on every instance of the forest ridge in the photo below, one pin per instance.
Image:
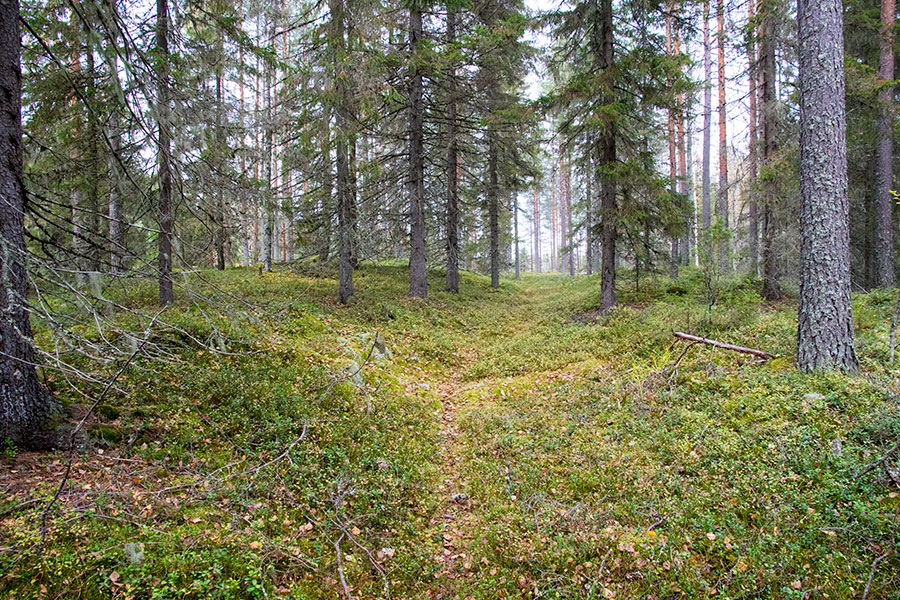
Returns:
(448, 299)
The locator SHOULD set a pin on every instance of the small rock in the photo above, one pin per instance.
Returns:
(837, 447)
(460, 498)
(135, 553)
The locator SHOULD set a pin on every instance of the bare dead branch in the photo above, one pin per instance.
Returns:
(723, 345)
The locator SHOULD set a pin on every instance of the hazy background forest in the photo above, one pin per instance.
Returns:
(365, 299)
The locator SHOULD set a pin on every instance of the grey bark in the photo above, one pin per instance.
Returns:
(24, 404)
(493, 202)
(166, 217)
(342, 157)
(116, 211)
(770, 290)
(722, 193)
(602, 47)
(589, 211)
(418, 282)
(268, 241)
(884, 162)
(753, 225)
(825, 323)
(515, 216)
(452, 281)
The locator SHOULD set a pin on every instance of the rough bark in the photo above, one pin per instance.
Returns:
(342, 155)
(707, 122)
(452, 279)
(418, 283)
(116, 213)
(268, 241)
(685, 239)
(589, 212)
(493, 202)
(554, 262)
(165, 217)
(672, 139)
(221, 233)
(771, 290)
(753, 225)
(825, 324)
(722, 193)
(515, 217)
(24, 404)
(884, 162)
(606, 159)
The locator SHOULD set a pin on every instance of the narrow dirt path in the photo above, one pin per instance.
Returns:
(453, 522)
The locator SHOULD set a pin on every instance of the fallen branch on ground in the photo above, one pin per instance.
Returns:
(717, 344)
(878, 462)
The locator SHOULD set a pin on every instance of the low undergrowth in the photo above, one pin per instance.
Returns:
(275, 444)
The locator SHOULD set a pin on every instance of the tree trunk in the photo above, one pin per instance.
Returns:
(452, 281)
(753, 226)
(166, 217)
(536, 215)
(113, 132)
(722, 195)
(884, 162)
(342, 158)
(771, 290)
(589, 211)
(673, 165)
(706, 210)
(685, 250)
(825, 324)
(24, 404)
(268, 242)
(606, 159)
(418, 282)
(493, 206)
(570, 243)
(515, 216)
(553, 249)
(221, 233)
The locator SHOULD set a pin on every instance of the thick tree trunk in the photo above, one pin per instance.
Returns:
(753, 225)
(345, 202)
(884, 162)
(771, 290)
(606, 159)
(707, 125)
(166, 217)
(418, 282)
(825, 324)
(722, 194)
(452, 280)
(24, 404)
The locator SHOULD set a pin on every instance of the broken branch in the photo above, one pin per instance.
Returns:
(717, 344)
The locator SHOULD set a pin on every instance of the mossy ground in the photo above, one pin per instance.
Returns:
(592, 467)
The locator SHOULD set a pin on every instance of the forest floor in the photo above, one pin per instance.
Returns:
(491, 444)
